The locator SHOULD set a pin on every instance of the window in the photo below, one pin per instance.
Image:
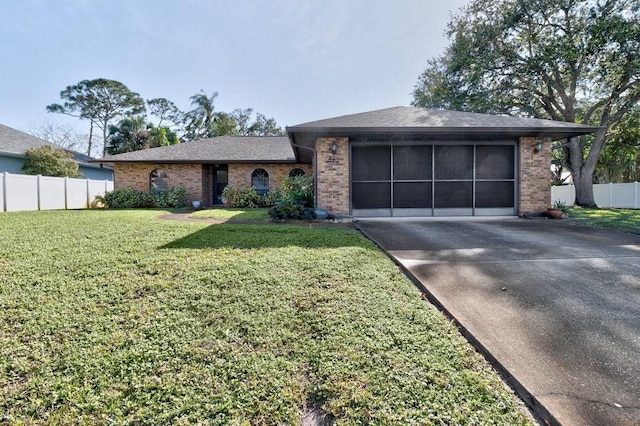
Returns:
(260, 181)
(296, 172)
(158, 180)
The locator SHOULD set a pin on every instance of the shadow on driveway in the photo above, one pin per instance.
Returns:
(557, 306)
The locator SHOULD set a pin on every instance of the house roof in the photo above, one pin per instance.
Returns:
(221, 149)
(435, 121)
(16, 143)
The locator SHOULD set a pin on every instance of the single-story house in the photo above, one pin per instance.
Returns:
(401, 161)
(14, 144)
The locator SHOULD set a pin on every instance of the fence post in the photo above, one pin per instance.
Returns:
(635, 204)
(88, 202)
(4, 191)
(38, 189)
(610, 194)
(66, 193)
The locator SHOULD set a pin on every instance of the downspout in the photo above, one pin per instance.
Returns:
(315, 169)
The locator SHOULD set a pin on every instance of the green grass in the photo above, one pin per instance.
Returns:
(115, 317)
(624, 220)
(233, 215)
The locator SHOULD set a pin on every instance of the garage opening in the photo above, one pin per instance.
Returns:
(433, 179)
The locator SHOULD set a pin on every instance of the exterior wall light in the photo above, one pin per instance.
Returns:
(538, 146)
(334, 148)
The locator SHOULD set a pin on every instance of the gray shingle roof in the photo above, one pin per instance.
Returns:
(413, 119)
(221, 149)
(15, 142)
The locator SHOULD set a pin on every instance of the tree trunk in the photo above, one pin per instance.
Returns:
(582, 169)
(584, 189)
(90, 138)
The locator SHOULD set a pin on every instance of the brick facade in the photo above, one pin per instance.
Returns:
(333, 175)
(240, 174)
(136, 176)
(534, 175)
(198, 178)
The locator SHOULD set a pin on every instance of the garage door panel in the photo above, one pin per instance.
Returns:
(495, 194)
(412, 195)
(412, 162)
(371, 195)
(495, 162)
(371, 163)
(453, 195)
(453, 162)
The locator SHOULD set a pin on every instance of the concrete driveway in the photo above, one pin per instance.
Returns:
(557, 306)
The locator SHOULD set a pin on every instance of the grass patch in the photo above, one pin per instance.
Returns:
(116, 317)
(624, 220)
(233, 215)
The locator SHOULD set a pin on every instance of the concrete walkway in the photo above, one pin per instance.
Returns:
(556, 306)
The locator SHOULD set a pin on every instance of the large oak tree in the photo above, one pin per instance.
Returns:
(569, 60)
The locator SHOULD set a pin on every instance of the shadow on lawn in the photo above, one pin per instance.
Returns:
(263, 236)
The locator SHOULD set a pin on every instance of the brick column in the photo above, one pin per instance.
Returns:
(534, 175)
(332, 178)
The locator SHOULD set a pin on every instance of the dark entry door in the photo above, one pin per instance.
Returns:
(220, 181)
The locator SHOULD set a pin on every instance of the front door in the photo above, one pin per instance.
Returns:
(220, 181)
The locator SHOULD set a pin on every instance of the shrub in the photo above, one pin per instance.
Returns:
(173, 197)
(297, 188)
(290, 210)
(271, 198)
(241, 197)
(127, 198)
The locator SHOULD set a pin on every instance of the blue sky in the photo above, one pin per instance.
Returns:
(293, 60)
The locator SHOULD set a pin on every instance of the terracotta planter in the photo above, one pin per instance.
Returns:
(554, 213)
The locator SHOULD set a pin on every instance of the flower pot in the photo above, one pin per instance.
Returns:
(553, 213)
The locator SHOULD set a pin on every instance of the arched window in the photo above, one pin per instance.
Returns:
(260, 181)
(296, 172)
(158, 180)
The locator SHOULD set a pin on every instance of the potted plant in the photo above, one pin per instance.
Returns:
(557, 210)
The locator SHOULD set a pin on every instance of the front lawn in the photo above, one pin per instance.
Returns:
(625, 220)
(233, 215)
(116, 317)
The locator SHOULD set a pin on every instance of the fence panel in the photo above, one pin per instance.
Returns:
(26, 192)
(76, 193)
(21, 193)
(52, 193)
(614, 195)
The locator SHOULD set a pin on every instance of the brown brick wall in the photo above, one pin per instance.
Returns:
(240, 174)
(333, 175)
(136, 176)
(534, 175)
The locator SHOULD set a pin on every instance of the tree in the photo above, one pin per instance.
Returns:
(100, 101)
(200, 120)
(165, 110)
(568, 60)
(133, 134)
(61, 134)
(619, 161)
(48, 161)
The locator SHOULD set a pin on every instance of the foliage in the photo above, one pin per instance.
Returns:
(624, 220)
(127, 198)
(298, 188)
(560, 205)
(166, 322)
(568, 60)
(290, 209)
(47, 161)
(165, 111)
(233, 215)
(100, 101)
(243, 197)
(133, 134)
(620, 158)
(63, 135)
(271, 198)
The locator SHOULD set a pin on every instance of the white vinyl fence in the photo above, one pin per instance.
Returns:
(26, 192)
(623, 195)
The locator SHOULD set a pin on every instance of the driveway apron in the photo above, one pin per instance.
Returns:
(556, 306)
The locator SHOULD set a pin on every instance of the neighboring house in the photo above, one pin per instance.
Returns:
(400, 161)
(14, 144)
